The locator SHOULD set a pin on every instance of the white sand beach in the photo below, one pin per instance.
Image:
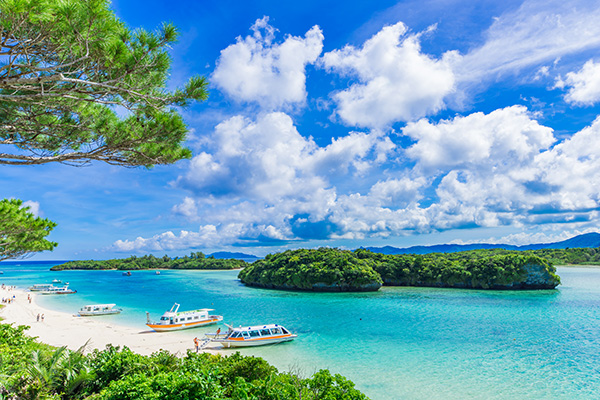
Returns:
(63, 329)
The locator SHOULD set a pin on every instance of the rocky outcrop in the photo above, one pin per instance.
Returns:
(539, 277)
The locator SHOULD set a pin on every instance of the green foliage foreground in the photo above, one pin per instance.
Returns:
(335, 269)
(31, 370)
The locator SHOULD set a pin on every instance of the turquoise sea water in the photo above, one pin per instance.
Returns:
(398, 343)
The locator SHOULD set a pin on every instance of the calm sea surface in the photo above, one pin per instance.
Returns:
(398, 343)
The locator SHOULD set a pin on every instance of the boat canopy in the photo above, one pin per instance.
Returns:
(200, 310)
(100, 305)
(254, 328)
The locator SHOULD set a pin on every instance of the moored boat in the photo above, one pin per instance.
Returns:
(58, 290)
(174, 320)
(40, 287)
(56, 281)
(99, 309)
(252, 336)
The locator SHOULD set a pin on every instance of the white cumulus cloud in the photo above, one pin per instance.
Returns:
(188, 208)
(573, 167)
(396, 81)
(267, 158)
(501, 139)
(583, 85)
(256, 69)
(262, 182)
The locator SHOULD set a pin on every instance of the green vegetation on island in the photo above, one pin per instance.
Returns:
(477, 269)
(575, 256)
(195, 260)
(324, 269)
(32, 370)
(327, 269)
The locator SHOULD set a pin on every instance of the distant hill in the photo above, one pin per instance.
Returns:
(580, 241)
(239, 256)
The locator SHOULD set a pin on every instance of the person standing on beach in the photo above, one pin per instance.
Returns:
(197, 344)
(38, 318)
(42, 317)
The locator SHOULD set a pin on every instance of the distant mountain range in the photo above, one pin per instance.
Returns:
(585, 240)
(238, 256)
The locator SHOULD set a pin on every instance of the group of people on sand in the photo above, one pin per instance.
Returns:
(40, 317)
(8, 300)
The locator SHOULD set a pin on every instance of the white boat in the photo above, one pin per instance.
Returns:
(99, 309)
(174, 320)
(56, 281)
(252, 336)
(58, 290)
(40, 287)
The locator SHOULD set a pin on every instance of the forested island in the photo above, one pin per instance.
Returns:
(33, 370)
(324, 269)
(195, 260)
(335, 270)
(573, 256)
(327, 269)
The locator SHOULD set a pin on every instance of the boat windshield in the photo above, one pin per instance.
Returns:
(285, 331)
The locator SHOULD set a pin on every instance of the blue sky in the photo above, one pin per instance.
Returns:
(352, 124)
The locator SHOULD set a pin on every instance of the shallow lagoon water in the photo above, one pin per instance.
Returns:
(397, 343)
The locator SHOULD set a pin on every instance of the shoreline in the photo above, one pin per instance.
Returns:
(64, 329)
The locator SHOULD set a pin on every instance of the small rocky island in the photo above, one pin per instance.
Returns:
(335, 270)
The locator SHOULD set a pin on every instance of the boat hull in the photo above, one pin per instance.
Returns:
(91, 314)
(60, 292)
(254, 342)
(187, 325)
